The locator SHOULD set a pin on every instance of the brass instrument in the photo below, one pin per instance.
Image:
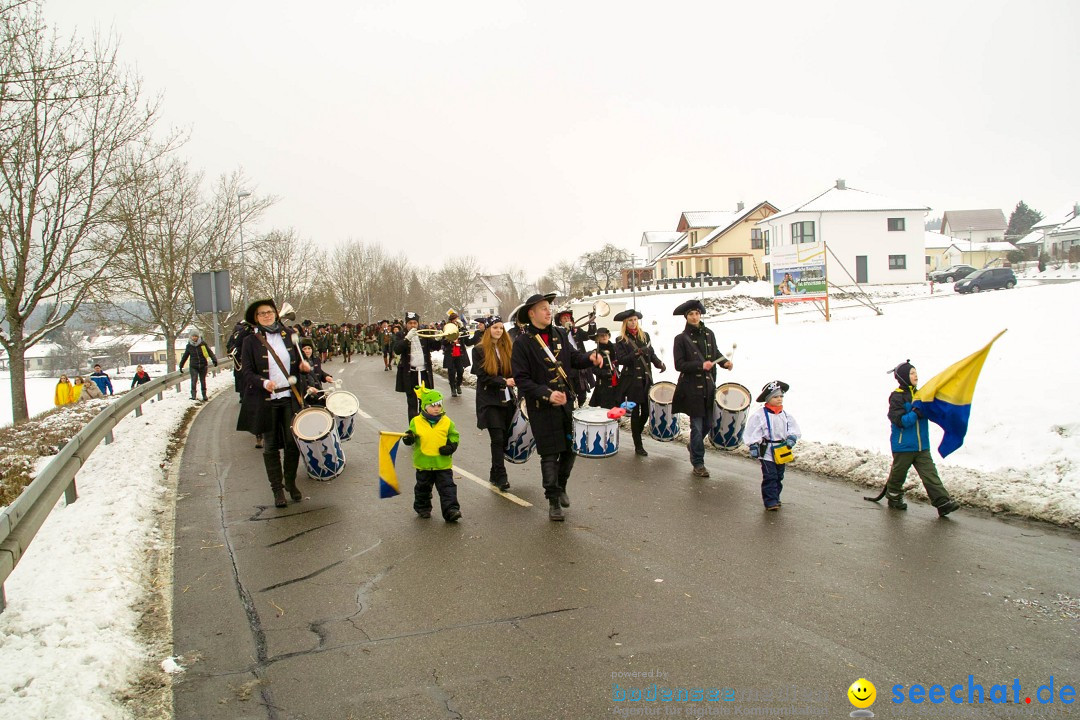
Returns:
(450, 333)
(599, 309)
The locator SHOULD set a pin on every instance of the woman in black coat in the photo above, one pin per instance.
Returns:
(496, 396)
(637, 358)
(269, 400)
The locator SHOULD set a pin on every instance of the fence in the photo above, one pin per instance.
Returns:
(21, 520)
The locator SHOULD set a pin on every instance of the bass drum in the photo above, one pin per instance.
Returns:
(663, 423)
(520, 443)
(732, 403)
(320, 448)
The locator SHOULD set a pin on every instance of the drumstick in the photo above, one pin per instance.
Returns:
(731, 355)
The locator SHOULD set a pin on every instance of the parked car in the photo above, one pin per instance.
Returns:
(952, 274)
(987, 279)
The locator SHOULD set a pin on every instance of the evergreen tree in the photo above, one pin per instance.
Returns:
(1021, 220)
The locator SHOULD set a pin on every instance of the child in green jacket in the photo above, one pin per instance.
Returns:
(434, 438)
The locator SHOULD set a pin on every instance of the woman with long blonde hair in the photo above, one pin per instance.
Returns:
(495, 394)
(636, 359)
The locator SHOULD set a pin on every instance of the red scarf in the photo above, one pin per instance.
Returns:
(775, 410)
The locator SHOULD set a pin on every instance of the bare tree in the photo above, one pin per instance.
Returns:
(288, 266)
(455, 285)
(391, 289)
(564, 276)
(604, 266)
(68, 116)
(353, 270)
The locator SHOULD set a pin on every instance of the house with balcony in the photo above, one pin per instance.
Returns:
(716, 243)
(878, 240)
(975, 226)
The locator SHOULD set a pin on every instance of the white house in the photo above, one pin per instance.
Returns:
(38, 358)
(152, 350)
(657, 241)
(975, 226)
(1056, 233)
(878, 240)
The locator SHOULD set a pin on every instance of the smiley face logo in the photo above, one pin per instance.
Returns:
(862, 693)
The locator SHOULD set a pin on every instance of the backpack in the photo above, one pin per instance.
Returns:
(236, 341)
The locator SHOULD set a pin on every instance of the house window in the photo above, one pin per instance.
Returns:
(708, 266)
(756, 241)
(693, 238)
(802, 232)
(734, 267)
(679, 269)
(927, 259)
(766, 237)
(898, 262)
(896, 224)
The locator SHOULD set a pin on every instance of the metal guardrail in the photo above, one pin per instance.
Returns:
(21, 520)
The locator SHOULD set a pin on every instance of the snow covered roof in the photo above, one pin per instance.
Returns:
(702, 218)
(1059, 217)
(42, 350)
(936, 240)
(666, 237)
(1035, 236)
(959, 220)
(995, 246)
(1071, 226)
(848, 199)
(152, 344)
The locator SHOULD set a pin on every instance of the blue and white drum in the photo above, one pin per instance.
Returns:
(343, 405)
(732, 403)
(520, 442)
(320, 449)
(595, 434)
(663, 423)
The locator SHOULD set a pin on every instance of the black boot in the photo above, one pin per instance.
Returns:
(274, 474)
(549, 473)
(896, 501)
(947, 507)
(294, 492)
(566, 464)
(555, 513)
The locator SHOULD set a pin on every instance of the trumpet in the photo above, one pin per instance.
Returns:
(599, 309)
(449, 332)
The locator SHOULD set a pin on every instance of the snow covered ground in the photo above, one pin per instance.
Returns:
(68, 639)
(59, 659)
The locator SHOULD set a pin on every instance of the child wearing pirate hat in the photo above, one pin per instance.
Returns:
(771, 433)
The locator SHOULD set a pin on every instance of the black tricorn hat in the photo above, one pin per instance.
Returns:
(602, 331)
(521, 315)
(307, 342)
(249, 314)
(770, 388)
(688, 306)
(626, 314)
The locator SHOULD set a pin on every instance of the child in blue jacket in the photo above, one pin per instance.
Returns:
(911, 446)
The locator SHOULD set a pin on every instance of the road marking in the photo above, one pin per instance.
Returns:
(484, 483)
(364, 414)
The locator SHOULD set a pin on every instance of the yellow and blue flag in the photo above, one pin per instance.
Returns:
(945, 399)
(388, 446)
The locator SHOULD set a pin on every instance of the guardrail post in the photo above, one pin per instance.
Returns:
(138, 411)
(3, 598)
(160, 396)
(108, 437)
(71, 494)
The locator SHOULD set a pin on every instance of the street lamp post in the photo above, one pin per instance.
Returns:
(243, 266)
(633, 278)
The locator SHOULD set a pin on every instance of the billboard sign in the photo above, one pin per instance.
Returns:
(798, 272)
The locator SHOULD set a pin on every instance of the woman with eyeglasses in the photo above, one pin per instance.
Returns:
(270, 363)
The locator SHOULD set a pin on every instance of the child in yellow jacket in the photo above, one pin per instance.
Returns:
(434, 438)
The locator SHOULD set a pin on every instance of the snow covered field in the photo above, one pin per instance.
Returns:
(59, 660)
(1024, 437)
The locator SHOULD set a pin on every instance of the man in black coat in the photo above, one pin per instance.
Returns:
(269, 400)
(541, 361)
(414, 367)
(696, 358)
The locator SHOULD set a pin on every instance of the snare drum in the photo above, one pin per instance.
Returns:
(520, 442)
(343, 405)
(316, 436)
(732, 401)
(663, 423)
(595, 434)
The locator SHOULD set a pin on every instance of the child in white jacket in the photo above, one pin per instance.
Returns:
(771, 433)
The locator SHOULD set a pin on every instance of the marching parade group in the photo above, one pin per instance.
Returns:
(531, 372)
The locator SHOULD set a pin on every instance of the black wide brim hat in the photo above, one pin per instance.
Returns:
(249, 314)
(688, 306)
(521, 315)
(627, 314)
(410, 315)
(770, 388)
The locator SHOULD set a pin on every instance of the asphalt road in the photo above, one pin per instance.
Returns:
(348, 606)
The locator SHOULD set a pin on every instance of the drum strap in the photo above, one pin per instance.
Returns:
(280, 365)
(558, 366)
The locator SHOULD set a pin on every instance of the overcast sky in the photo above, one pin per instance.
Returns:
(528, 132)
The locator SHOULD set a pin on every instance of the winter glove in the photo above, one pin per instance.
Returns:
(790, 441)
(754, 451)
(907, 407)
(410, 438)
(411, 334)
(908, 420)
(448, 448)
